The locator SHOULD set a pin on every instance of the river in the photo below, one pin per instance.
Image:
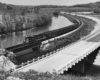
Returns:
(17, 38)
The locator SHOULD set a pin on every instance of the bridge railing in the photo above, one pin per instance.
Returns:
(37, 59)
(61, 69)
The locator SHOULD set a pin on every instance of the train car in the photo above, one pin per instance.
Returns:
(50, 34)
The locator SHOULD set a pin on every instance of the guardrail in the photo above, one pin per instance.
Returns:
(65, 68)
(38, 59)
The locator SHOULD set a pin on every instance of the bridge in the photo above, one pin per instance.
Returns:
(78, 56)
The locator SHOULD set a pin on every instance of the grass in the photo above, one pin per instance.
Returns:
(92, 74)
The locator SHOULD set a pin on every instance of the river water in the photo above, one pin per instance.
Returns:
(17, 38)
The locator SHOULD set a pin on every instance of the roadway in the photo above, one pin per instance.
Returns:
(68, 56)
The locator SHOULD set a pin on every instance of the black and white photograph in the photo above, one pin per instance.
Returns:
(49, 39)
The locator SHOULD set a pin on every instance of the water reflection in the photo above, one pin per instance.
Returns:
(18, 37)
(59, 22)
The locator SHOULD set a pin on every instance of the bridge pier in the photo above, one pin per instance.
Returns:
(80, 67)
(83, 66)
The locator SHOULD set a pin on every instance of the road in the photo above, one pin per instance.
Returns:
(68, 56)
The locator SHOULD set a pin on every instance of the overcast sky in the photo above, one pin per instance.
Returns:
(51, 2)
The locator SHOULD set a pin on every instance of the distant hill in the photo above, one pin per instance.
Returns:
(89, 5)
(18, 9)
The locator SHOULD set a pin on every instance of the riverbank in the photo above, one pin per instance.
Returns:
(18, 23)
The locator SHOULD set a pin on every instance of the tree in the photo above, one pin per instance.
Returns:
(5, 63)
(97, 11)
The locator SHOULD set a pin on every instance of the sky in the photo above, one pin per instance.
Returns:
(45, 2)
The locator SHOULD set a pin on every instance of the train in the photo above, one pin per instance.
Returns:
(33, 42)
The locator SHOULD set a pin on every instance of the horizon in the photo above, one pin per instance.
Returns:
(47, 2)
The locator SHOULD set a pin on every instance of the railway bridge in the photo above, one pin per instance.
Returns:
(78, 56)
